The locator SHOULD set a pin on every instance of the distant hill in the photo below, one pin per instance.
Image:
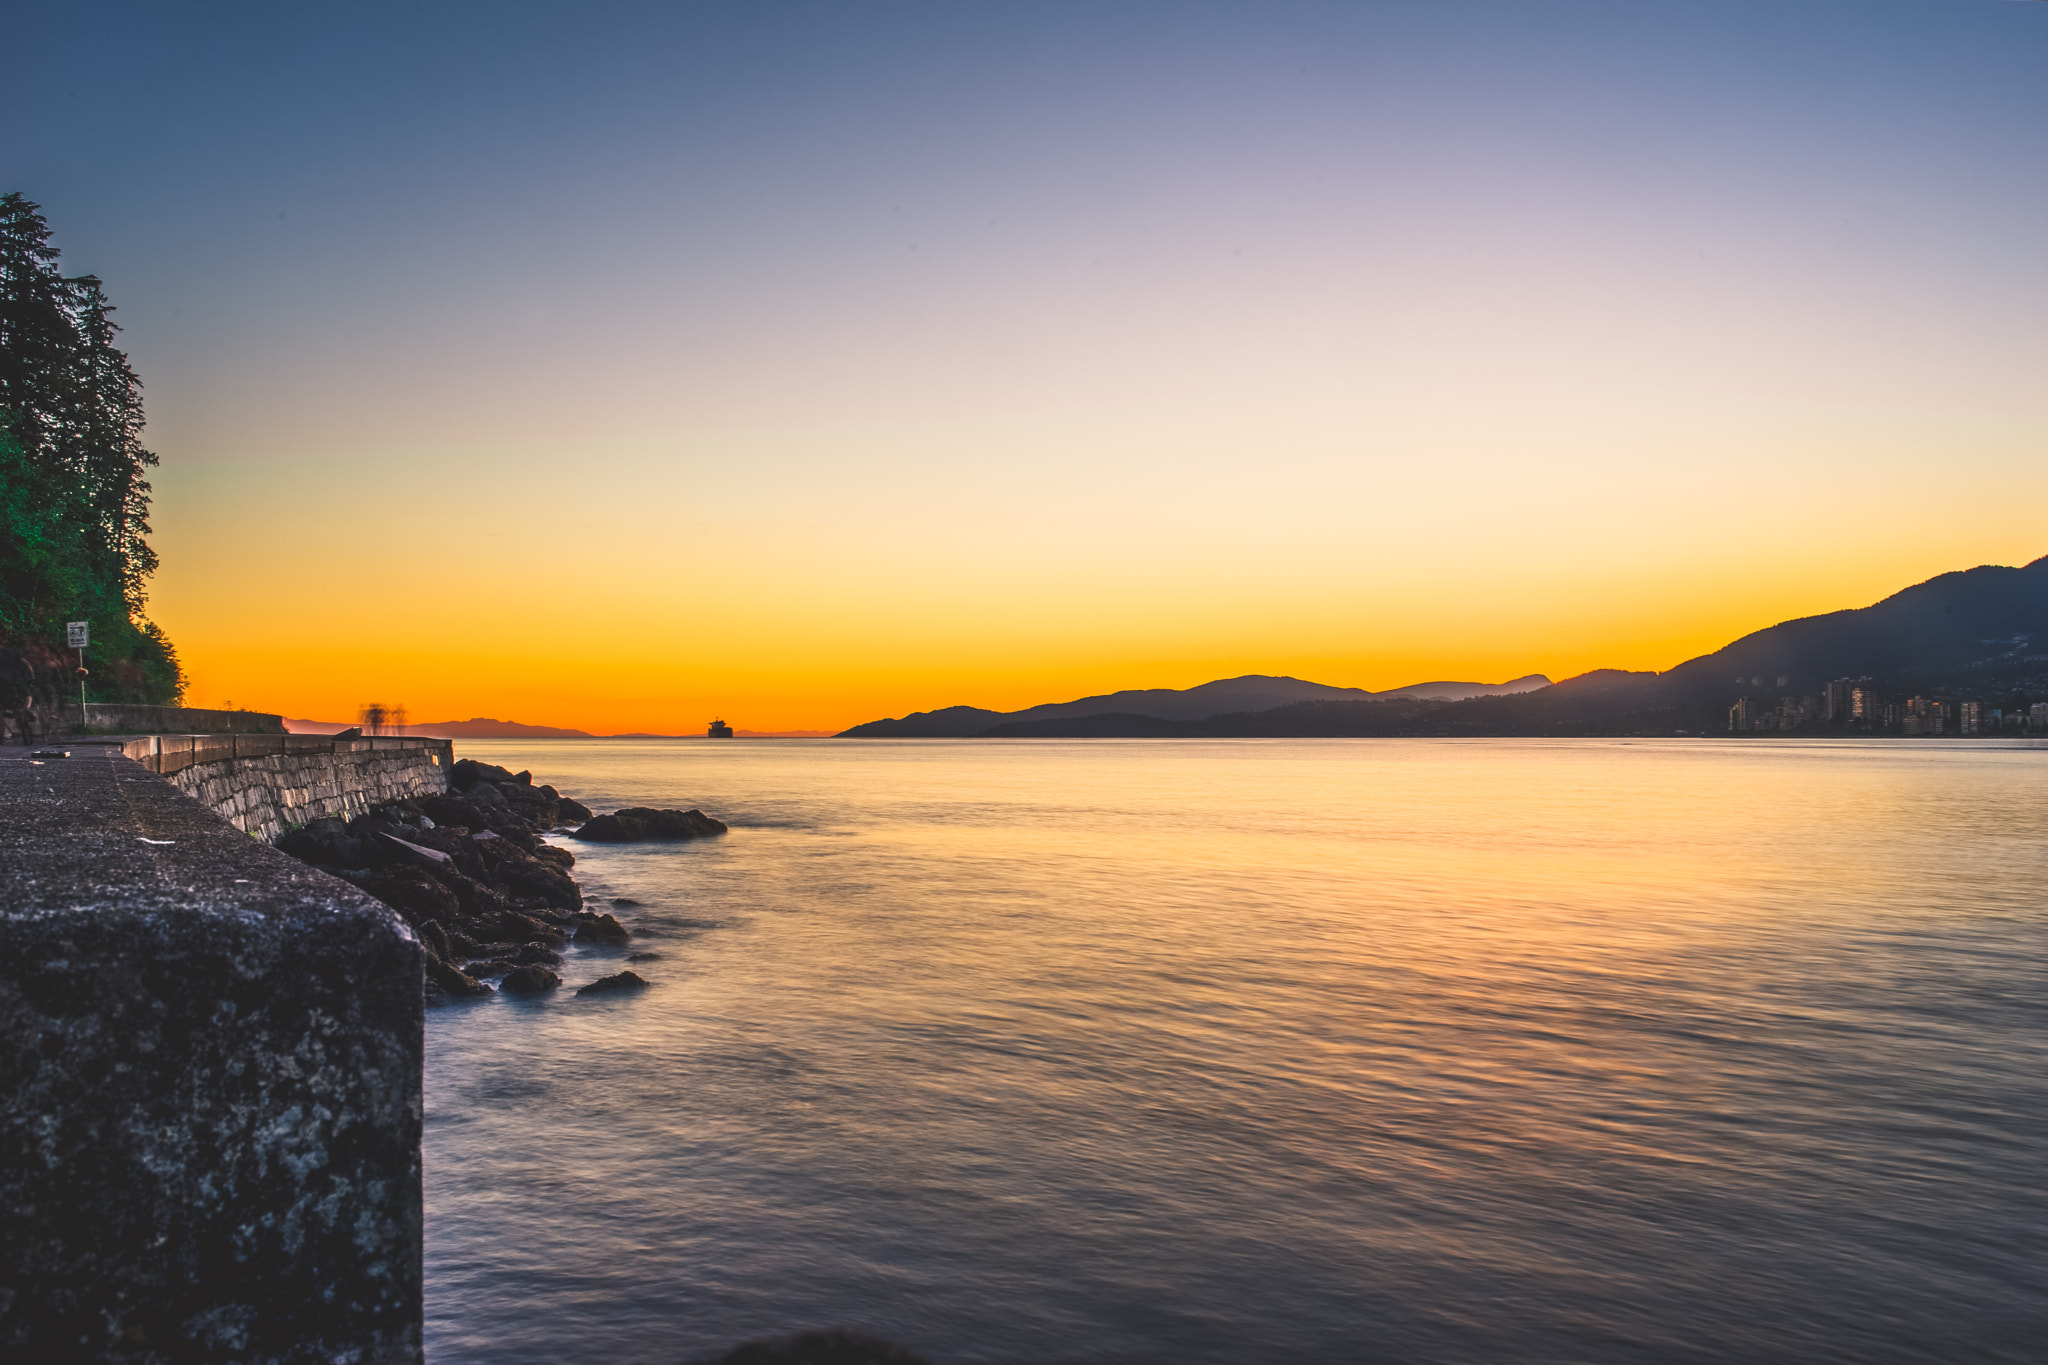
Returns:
(1983, 629)
(1977, 634)
(1459, 691)
(480, 727)
(483, 727)
(1253, 693)
(736, 734)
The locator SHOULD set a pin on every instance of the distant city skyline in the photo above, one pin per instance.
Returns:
(620, 368)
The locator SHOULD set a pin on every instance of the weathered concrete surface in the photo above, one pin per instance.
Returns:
(167, 720)
(209, 1086)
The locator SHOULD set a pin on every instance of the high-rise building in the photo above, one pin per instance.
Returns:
(1837, 703)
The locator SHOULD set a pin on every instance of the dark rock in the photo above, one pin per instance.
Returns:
(514, 927)
(454, 980)
(836, 1346)
(418, 897)
(486, 794)
(435, 939)
(305, 847)
(370, 826)
(538, 953)
(598, 928)
(523, 779)
(531, 979)
(567, 811)
(523, 839)
(639, 824)
(642, 957)
(492, 967)
(531, 877)
(478, 900)
(449, 810)
(621, 981)
(465, 854)
(431, 858)
(540, 910)
(560, 857)
(468, 772)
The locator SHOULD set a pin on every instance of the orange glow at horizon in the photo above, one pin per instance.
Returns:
(1369, 345)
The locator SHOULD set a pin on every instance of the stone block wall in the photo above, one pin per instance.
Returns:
(267, 793)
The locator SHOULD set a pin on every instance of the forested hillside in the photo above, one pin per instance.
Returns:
(74, 505)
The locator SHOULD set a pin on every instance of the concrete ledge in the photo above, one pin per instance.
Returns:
(118, 717)
(210, 1061)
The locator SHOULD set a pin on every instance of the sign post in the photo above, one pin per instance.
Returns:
(78, 635)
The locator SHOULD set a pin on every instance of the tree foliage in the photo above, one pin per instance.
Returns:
(74, 502)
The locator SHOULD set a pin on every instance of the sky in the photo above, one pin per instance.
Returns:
(618, 366)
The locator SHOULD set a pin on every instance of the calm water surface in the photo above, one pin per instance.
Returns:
(1316, 1051)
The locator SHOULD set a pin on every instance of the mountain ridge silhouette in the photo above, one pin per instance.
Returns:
(1981, 631)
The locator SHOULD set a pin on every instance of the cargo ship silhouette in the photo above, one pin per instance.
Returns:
(719, 730)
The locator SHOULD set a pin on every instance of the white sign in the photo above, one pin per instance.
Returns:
(77, 634)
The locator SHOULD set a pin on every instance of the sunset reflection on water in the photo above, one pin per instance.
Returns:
(1308, 1050)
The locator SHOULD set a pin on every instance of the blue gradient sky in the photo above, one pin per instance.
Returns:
(612, 364)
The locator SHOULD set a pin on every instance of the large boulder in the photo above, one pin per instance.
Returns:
(592, 928)
(325, 842)
(530, 979)
(452, 980)
(418, 855)
(529, 877)
(621, 981)
(451, 810)
(417, 895)
(308, 848)
(486, 794)
(640, 824)
(468, 772)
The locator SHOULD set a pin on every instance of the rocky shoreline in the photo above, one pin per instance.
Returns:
(487, 895)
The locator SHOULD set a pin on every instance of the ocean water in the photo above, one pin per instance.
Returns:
(1303, 1051)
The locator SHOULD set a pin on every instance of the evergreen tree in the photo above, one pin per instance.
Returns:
(37, 334)
(74, 505)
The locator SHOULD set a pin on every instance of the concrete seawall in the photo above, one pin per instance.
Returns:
(210, 1060)
(122, 719)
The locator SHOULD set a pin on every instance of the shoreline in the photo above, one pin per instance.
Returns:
(471, 872)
